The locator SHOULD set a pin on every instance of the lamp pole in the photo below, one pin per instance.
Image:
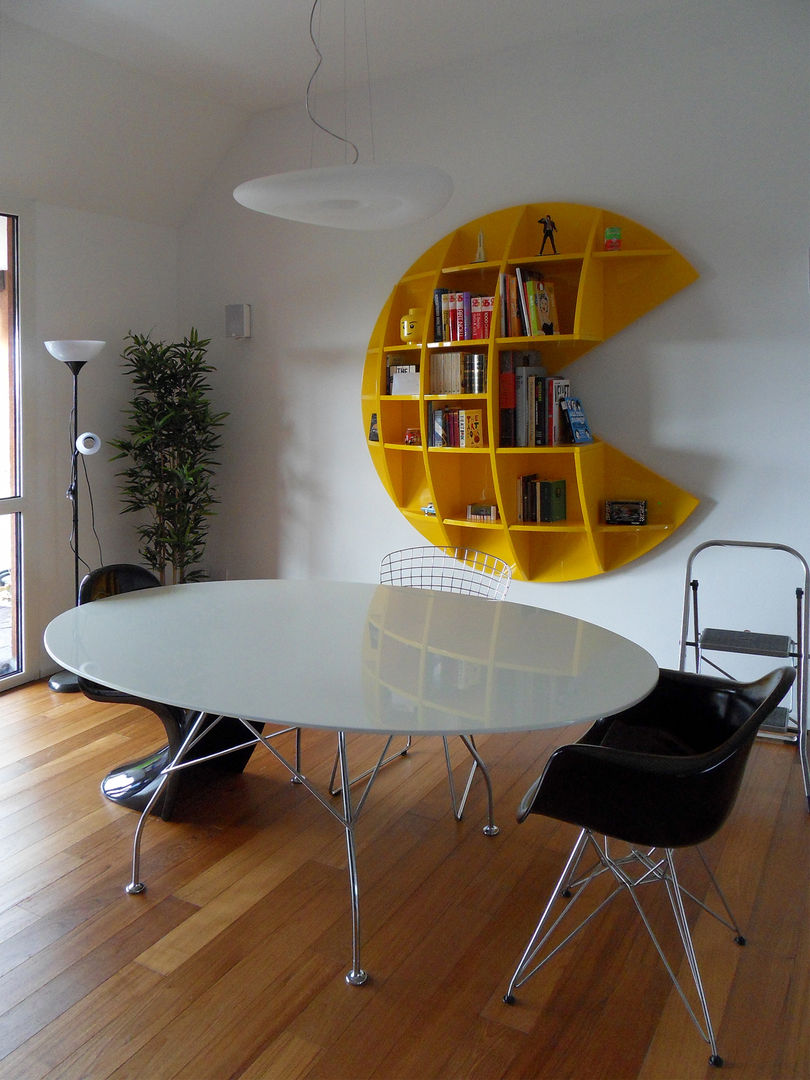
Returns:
(74, 355)
(73, 487)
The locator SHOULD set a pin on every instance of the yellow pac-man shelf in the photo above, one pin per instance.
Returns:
(604, 271)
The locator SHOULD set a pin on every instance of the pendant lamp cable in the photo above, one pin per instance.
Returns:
(314, 39)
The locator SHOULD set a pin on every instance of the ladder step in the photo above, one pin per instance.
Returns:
(779, 720)
(746, 641)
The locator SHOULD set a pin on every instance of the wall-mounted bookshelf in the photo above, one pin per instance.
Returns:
(597, 293)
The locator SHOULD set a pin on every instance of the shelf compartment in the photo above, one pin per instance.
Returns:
(407, 479)
(564, 273)
(575, 226)
(549, 463)
(498, 229)
(549, 554)
(395, 416)
(460, 477)
(481, 536)
(607, 473)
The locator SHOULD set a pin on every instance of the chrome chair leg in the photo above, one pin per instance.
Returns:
(654, 868)
(676, 899)
(536, 942)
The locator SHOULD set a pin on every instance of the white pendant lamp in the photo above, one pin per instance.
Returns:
(349, 196)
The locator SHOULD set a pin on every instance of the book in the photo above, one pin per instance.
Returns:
(465, 317)
(522, 374)
(523, 302)
(510, 316)
(373, 431)
(543, 308)
(578, 428)
(405, 382)
(471, 429)
(552, 501)
(437, 431)
(557, 388)
(438, 326)
(482, 512)
(527, 497)
(536, 411)
(455, 316)
(487, 308)
(445, 302)
(503, 304)
(481, 308)
(477, 326)
(506, 399)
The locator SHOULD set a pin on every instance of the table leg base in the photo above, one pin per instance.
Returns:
(357, 978)
(491, 830)
(64, 682)
(132, 785)
(135, 888)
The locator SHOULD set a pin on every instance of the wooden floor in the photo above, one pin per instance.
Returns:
(232, 963)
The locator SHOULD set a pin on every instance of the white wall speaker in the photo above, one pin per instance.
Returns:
(237, 320)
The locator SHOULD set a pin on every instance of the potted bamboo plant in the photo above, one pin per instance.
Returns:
(171, 439)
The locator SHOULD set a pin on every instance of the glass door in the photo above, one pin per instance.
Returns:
(11, 658)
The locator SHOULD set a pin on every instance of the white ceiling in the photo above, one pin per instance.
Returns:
(256, 54)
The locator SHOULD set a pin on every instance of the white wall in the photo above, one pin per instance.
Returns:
(83, 275)
(696, 124)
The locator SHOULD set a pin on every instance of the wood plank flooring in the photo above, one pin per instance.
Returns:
(232, 963)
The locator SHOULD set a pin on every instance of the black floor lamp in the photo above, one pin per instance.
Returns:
(74, 355)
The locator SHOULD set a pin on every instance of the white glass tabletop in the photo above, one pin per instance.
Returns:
(353, 657)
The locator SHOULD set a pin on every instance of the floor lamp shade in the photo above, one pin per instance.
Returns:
(74, 351)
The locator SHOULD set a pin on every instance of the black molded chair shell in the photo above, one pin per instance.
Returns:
(664, 773)
(133, 783)
(660, 775)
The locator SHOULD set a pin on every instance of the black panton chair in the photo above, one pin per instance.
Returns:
(663, 774)
(133, 784)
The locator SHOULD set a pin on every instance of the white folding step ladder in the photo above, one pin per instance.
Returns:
(787, 722)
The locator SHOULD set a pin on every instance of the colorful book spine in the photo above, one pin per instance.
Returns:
(438, 323)
(557, 389)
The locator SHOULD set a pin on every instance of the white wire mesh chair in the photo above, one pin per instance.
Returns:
(445, 569)
(448, 569)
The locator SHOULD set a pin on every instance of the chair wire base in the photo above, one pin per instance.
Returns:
(631, 872)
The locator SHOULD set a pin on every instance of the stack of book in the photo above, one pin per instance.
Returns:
(540, 500)
(458, 373)
(528, 305)
(485, 512)
(531, 412)
(463, 428)
(461, 316)
(401, 378)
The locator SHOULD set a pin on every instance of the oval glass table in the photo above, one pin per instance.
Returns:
(347, 657)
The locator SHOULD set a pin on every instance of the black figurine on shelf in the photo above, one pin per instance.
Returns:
(549, 228)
